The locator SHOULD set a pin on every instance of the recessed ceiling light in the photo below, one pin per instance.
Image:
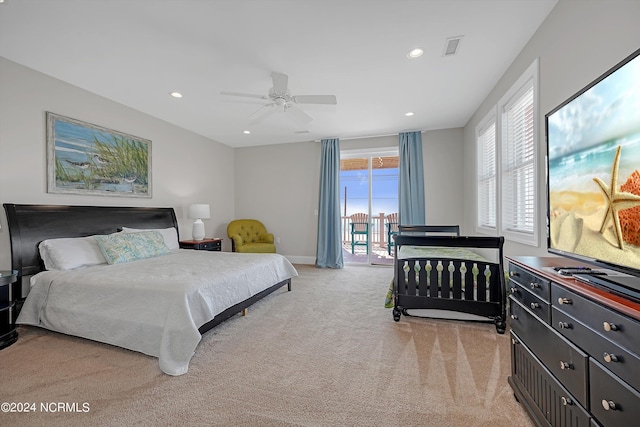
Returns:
(409, 114)
(176, 94)
(415, 53)
(246, 132)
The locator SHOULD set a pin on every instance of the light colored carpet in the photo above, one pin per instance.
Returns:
(325, 354)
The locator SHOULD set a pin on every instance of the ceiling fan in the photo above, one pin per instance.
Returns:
(280, 99)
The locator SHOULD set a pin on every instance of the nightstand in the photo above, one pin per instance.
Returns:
(8, 296)
(212, 244)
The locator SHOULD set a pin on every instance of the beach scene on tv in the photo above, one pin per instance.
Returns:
(594, 171)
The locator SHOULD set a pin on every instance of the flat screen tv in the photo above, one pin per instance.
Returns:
(593, 177)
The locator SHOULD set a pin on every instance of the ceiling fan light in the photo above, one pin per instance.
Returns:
(415, 53)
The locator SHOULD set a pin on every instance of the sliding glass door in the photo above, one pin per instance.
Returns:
(369, 204)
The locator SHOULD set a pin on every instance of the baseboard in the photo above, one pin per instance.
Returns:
(293, 259)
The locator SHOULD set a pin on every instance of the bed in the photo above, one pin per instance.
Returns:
(448, 275)
(158, 305)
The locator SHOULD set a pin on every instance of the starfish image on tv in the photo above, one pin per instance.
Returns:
(616, 200)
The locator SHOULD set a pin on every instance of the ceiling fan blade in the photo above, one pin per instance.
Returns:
(299, 114)
(246, 95)
(315, 99)
(280, 83)
(264, 112)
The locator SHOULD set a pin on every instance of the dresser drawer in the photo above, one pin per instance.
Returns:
(534, 303)
(613, 357)
(567, 362)
(616, 327)
(548, 401)
(209, 246)
(536, 285)
(613, 402)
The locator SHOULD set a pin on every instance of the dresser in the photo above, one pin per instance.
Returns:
(575, 349)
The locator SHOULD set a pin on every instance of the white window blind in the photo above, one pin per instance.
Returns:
(518, 163)
(487, 179)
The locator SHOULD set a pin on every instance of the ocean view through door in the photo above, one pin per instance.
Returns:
(368, 205)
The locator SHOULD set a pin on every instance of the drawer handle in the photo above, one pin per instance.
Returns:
(564, 325)
(534, 285)
(565, 365)
(534, 305)
(515, 317)
(513, 274)
(609, 405)
(610, 326)
(610, 357)
(514, 290)
(566, 301)
(566, 401)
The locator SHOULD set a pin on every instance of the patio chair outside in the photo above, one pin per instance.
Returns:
(359, 227)
(392, 228)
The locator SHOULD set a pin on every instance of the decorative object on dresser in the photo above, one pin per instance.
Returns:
(575, 351)
(199, 212)
(83, 158)
(8, 310)
(214, 244)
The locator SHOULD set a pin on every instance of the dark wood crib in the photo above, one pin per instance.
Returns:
(449, 274)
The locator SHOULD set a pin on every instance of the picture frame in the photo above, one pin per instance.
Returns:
(87, 159)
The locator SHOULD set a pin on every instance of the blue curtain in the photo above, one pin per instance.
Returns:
(329, 252)
(411, 180)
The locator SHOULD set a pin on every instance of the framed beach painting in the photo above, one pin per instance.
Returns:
(83, 158)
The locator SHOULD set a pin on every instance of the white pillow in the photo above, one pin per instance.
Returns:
(170, 235)
(70, 253)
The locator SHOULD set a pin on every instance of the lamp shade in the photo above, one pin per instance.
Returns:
(199, 211)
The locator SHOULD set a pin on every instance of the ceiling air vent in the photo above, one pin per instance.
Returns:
(451, 45)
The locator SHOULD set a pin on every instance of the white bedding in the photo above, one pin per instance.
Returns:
(154, 306)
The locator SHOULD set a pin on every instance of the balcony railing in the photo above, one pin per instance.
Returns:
(377, 230)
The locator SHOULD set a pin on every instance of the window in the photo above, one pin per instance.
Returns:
(506, 141)
(487, 175)
(518, 141)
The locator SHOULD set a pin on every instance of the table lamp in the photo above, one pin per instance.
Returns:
(199, 212)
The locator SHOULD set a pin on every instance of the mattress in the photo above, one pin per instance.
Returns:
(154, 306)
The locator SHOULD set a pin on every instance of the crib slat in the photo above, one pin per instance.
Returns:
(469, 285)
(411, 279)
(457, 280)
(481, 286)
(446, 282)
(433, 281)
(422, 283)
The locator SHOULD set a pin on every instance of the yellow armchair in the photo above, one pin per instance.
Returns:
(250, 235)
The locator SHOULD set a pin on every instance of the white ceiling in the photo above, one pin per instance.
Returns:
(136, 52)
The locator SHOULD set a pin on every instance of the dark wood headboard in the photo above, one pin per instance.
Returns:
(31, 224)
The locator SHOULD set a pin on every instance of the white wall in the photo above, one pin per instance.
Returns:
(579, 40)
(186, 168)
(279, 184)
(276, 183)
